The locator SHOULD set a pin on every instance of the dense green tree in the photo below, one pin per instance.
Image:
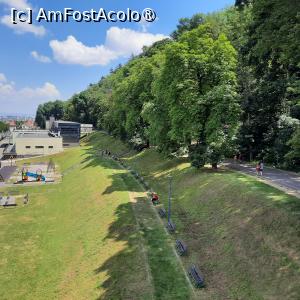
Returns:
(48, 109)
(241, 3)
(187, 24)
(225, 81)
(19, 124)
(293, 157)
(272, 55)
(197, 85)
(3, 127)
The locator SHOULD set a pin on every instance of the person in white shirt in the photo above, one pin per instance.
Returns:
(261, 168)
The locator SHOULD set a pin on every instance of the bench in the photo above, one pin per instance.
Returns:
(162, 212)
(181, 248)
(171, 227)
(195, 277)
(2, 200)
(10, 201)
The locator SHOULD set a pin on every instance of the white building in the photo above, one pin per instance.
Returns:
(86, 128)
(36, 143)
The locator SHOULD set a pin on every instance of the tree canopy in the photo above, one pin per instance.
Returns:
(224, 83)
(3, 127)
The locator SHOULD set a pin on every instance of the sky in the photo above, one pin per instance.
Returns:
(44, 61)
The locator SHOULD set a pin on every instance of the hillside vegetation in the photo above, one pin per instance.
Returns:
(225, 83)
(242, 233)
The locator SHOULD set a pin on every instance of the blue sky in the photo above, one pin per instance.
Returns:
(45, 61)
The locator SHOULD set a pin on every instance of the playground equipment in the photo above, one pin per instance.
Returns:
(38, 175)
(51, 166)
(26, 199)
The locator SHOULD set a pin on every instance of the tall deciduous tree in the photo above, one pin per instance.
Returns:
(197, 89)
(273, 52)
(48, 109)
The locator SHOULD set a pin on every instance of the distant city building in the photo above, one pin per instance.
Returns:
(70, 132)
(28, 124)
(12, 125)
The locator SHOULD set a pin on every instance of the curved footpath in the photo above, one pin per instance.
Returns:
(286, 181)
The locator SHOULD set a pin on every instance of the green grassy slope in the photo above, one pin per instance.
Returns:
(242, 233)
(80, 239)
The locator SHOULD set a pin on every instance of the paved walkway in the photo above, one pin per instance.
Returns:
(283, 180)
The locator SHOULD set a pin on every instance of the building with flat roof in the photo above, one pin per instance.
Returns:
(69, 131)
(26, 143)
(37, 143)
(19, 132)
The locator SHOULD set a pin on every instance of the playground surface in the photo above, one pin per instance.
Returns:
(30, 173)
(6, 172)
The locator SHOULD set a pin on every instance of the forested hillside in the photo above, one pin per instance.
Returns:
(224, 83)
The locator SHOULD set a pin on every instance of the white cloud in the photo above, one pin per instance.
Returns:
(126, 41)
(27, 99)
(18, 4)
(20, 27)
(119, 43)
(2, 78)
(40, 57)
(144, 25)
(72, 51)
(23, 27)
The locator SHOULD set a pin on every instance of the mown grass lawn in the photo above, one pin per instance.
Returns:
(79, 239)
(243, 234)
(95, 236)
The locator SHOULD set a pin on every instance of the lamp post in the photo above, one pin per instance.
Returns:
(170, 196)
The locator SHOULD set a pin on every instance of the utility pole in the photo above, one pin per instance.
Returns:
(170, 196)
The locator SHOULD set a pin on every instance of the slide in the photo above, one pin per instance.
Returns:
(34, 175)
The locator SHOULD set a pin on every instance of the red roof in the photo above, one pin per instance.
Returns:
(11, 123)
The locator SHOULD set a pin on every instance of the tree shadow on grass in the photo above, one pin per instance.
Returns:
(122, 182)
(125, 270)
(93, 159)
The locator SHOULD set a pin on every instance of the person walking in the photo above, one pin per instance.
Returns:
(235, 159)
(257, 168)
(261, 167)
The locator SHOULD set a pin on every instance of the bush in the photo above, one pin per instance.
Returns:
(198, 155)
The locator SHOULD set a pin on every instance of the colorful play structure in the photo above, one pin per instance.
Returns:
(38, 175)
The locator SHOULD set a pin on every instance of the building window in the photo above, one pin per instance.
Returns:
(50, 147)
(39, 147)
(27, 147)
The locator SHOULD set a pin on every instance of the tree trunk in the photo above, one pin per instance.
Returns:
(214, 166)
